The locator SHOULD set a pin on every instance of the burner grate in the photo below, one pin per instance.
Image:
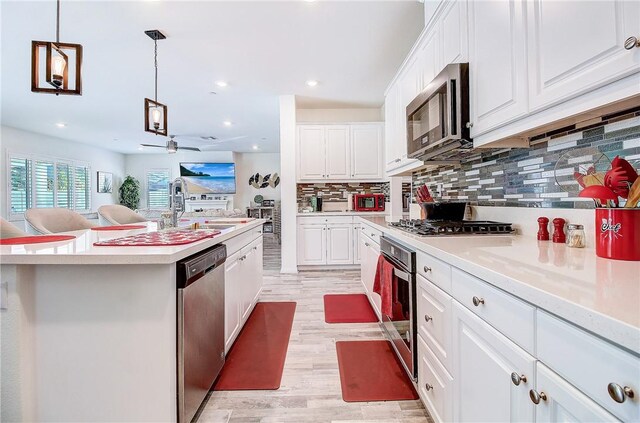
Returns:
(445, 227)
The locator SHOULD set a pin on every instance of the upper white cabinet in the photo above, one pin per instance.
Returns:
(340, 152)
(573, 50)
(497, 63)
(453, 42)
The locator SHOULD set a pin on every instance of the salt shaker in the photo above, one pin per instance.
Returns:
(575, 236)
(558, 230)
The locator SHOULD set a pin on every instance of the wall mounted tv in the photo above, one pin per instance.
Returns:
(209, 178)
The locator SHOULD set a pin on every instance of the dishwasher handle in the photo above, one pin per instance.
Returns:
(193, 268)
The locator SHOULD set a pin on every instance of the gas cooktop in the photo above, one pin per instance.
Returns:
(452, 227)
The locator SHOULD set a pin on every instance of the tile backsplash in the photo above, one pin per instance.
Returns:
(335, 191)
(527, 177)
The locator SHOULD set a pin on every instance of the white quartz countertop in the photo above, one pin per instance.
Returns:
(600, 295)
(82, 251)
(342, 213)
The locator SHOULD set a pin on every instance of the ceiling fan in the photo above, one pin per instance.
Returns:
(172, 146)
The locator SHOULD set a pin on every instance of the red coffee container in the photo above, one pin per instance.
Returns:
(618, 233)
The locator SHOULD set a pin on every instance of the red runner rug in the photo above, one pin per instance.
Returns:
(348, 308)
(370, 371)
(256, 360)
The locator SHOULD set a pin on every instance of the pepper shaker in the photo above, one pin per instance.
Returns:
(558, 230)
(543, 231)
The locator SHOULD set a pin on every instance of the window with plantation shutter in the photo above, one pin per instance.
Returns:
(20, 185)
(158, 188)
(40, 182)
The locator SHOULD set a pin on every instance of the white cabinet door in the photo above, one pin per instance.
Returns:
(357, 255)
(573, 50)
(370, 253)
(338, 152)
(498, 67)
(366, 151)
(392, 122)
(339, 244)
(564, 403)
(312, 244)
(232, 298)
(453, 33)
(483, 362)
(311, 152)
(251, 270)
(429, 52)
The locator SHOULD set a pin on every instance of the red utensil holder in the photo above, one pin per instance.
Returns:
(618, 233)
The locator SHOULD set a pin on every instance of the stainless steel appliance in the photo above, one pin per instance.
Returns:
(438, 118)
(401, 326)
(424, 227)
(200, 280)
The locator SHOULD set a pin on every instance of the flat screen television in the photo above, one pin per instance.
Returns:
(209, 178)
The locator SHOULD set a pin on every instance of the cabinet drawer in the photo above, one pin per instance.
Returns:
(321, 220)
(434, 270)
(589, 363)
(435, 385)
(371, 232)
(435, 320)
(511, 316)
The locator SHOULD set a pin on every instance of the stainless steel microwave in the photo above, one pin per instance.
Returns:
(438, 118)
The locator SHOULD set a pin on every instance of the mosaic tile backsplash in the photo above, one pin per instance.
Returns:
(527, 177)
(333, 191)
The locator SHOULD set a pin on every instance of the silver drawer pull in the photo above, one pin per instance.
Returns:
(516, 378)
(477, 301)
(631, 42)
(536, 397)
(618, 393)
(427, 318)
(428, 387)
(427, 269)
(366, 243)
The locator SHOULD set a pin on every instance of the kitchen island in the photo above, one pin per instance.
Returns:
(514, 329)
(90, 333)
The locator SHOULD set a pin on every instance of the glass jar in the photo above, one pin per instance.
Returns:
(575, 236)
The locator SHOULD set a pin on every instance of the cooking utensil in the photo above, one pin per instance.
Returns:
(599, 192)
(627, 167)
(633, 199)
(618, 181)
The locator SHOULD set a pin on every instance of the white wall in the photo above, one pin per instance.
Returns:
(339, 115)
(16, 141)
(137, 165)
(248, 164)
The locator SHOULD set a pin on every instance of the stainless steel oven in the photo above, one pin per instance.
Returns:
(401, 326)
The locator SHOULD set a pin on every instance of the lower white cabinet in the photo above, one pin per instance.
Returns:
(369, 251)
(357, 255)
(340, 243)
(312, 244)
(484, 361)
(559, 401)
(328, 241)
(435, 384)
(242, 286)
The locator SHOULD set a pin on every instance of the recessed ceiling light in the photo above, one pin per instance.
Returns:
(227, 123)
(140, 148)
(255, 147)
(312, 82)
(61, 124)
(222, 83)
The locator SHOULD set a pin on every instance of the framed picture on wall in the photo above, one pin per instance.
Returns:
(105, 182)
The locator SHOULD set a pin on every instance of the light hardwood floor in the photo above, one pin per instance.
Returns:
(310, 389)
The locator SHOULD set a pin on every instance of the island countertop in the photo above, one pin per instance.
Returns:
(600, 295)
(82, 251)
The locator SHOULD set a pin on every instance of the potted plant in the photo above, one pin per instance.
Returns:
(130, 192)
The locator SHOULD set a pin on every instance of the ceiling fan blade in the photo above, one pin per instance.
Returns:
(189, 148)
(153, 145)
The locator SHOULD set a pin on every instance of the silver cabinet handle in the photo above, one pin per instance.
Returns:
(373, 235)
(618, 393)
(536, 397)
(428, 387)
(631, 42)
(427, 318)
(397, 160)
(427, 269)
(477, 301)
(516, 378)
(366, 243)
(469, 125)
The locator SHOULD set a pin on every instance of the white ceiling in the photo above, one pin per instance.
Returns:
(263, 49)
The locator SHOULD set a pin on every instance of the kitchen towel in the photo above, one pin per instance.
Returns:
(383, 285)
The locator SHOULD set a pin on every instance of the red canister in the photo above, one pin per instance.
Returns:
(618, 233)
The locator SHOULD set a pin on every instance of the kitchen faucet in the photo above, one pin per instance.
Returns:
(178, 193)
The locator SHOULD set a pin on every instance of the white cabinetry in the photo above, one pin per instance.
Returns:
(312, 244)
(232, 299)
(340, 243)
(570, 55)
(357, 251)
(327, 241)
(497, 63)
(340, 152)
(484, 361)
(370, 250)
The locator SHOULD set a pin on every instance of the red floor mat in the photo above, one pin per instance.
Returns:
(370, 371)
(256, 359)
(348, 308)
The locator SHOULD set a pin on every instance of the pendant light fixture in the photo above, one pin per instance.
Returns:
(155, 113)
(60, 59)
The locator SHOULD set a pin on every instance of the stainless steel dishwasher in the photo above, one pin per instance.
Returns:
(200, 280)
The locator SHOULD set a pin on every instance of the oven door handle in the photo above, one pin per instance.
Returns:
(401, 274)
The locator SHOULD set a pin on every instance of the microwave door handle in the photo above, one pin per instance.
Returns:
(452, 100)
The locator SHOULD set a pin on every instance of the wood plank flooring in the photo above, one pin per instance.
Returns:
(310, 389)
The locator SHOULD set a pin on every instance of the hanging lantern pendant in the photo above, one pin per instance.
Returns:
(155, 113)
(58, 57)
